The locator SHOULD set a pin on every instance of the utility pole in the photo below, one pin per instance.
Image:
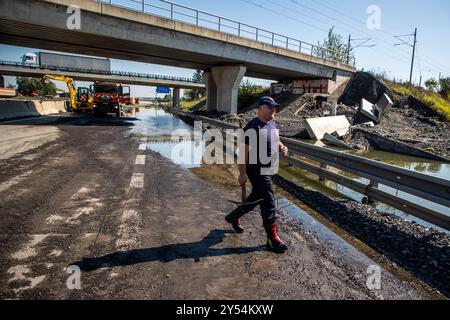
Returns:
(360, 45)
(348, 48)
(414, 49)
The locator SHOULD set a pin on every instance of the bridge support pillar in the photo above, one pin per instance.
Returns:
(211, 92)
(227, 80)
(176, 98)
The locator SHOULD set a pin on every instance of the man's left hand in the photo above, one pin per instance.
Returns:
(284, 150)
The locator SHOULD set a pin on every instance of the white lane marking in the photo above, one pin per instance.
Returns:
(137, 180)
(140, 159)
(129, 230)
(143, 146)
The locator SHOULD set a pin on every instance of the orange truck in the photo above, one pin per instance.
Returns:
(109, 97)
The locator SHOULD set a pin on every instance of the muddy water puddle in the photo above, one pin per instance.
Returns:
(179, 142)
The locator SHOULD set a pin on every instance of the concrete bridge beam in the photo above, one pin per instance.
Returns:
(227, 80)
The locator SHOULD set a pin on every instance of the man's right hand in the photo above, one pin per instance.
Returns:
(242, 179)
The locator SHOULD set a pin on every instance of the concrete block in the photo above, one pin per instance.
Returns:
(335, 141)
(7, 93)
(383, 105)
(376, 111)
(369, 110)
(317, 127)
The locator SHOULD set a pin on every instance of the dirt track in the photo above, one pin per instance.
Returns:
(74, 201)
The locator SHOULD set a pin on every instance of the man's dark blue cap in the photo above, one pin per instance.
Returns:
(267, 101)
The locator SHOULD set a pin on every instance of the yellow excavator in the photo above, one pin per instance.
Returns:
(81, 100)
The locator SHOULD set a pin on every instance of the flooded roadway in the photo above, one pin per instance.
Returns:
(140, 226)
(188, 152)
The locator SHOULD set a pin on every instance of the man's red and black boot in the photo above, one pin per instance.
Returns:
(274, 242)
(234, 217)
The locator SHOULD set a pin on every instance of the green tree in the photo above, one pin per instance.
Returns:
(195, 94)
(431, 84)
(335, 48)
(444, 84)
(27, 85)
(248, 93)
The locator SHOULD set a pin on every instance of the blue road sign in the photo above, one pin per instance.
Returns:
(165, 90)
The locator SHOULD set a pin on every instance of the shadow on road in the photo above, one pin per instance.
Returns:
(167, 253)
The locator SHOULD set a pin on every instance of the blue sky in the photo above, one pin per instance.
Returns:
(309, 20)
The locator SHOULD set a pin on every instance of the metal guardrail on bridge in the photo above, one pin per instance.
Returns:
(177, 12)
(424, 186)
(91, 71)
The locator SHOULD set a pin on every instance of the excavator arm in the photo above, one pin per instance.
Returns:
(70, 86)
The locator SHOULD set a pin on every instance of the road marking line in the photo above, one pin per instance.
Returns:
(129, 230)
(137, 180)
(143, 146)
(140, 159)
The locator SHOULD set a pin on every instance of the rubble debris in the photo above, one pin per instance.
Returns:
(335, 141)
(376, 111)
(317, 127)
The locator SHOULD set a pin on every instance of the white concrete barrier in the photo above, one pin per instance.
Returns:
(17, 108)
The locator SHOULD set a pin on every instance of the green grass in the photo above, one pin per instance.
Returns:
(187, 105)
(431, 99)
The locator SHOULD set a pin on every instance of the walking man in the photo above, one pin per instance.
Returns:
(261, 147)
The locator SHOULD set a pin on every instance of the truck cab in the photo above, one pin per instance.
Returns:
(30, 59)
(107, 98)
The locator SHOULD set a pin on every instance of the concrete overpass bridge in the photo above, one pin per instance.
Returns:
(16, 69)
(8, 68)
(225, 52)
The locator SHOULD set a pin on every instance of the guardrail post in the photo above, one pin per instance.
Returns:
(171, 11)
(239, 29)
(287, 43)
(323, 166)
(196, 21)
(256, 34)
(273, 38)
(367, 199)
(219, 23)
(143, 5)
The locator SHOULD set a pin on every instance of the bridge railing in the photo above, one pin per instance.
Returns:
(173, 11)
(91, 71)
(433, 189)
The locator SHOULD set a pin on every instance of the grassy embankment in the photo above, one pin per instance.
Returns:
(432, 99)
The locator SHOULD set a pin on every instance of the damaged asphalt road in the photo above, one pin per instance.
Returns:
(145, 228)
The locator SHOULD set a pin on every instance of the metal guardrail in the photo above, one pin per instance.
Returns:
(424, 186)
(91, 71)
(177, 12)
